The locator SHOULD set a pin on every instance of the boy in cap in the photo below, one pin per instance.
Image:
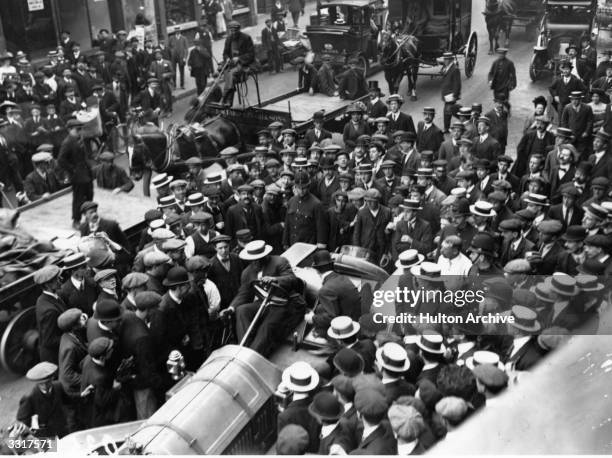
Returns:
(72, 350)
(99, 389)
(112, 177)
(42, 409)
(48, 309)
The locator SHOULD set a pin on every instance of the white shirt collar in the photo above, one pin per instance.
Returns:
(173, 297)
(348, 406)
(386, 379)
(368, 431)
(407, 448)
(326, 430)
(76, 283)
(324, 275)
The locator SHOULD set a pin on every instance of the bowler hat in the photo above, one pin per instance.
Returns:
(108, 310)
(348, 362)
(321, 259)
(326, 407)
(575, 233)
(176, 276)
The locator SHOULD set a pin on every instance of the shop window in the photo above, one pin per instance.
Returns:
(179, 12)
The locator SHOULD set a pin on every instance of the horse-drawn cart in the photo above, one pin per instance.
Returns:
(425, 30)
(49, 221)
(564, 22)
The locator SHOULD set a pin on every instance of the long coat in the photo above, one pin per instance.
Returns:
(228, 282)
(49, 408)
(48, 309)
(305, 221)
(369, 231)
(72, 351)
(73, 158)
(236, 219)
(422, 237)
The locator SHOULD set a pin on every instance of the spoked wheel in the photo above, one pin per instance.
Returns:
(363, 63)
(471, 52)
(19, 344)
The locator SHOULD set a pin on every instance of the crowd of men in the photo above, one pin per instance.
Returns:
(444, 211)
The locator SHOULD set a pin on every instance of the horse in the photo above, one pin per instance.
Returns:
(499, 16)
(399, 58)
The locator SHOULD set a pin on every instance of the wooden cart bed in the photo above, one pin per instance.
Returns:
(303, 105)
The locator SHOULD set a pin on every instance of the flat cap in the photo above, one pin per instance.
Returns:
(173, 244)
(511, 224)
(155, 258)
(68, 319)
(598, 240)
(88, 206)
(146, 300)
(43, 156)
(356, 193)
(46, 274)
(550, 226)
(196, 263)
(98, 257)
(597, 182)
(373, 194)
(292, 440)
(103, 274)
(491, 377)
(134, 280)
(452, 408)
(406, 422)
(41, 372)
(229, 151)
(162, 234)
(201, 217)
(99, 347)
(517, 266)
(371, 402)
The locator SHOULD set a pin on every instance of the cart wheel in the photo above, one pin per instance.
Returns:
(471, 53)
(535, 68)
(363, 63)
(19, 344)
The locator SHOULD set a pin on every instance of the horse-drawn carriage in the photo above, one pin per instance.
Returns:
(346, 29)
(564, 22)
(423, 30)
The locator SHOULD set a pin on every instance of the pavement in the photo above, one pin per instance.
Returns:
(255, 33)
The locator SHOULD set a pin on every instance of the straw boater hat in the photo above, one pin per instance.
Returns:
(484, 357)
(254, 250)
(563, 284)
(409, 258)
(300, 377)
(483, 208)
(431, 342)
(393, 357)
(342, 327)
(525, 319)
(427, 271)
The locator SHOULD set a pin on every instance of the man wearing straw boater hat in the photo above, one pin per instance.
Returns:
(286, 306)
(345, 332)
(524, 351)
(392, 362)
(302, 380)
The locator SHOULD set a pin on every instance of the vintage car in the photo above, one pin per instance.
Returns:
(234, 380)
(346, 29)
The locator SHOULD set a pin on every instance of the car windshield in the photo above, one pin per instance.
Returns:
(342, 15)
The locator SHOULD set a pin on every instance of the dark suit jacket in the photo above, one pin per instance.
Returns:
(557, 260)
(580, 121)
(369, 232)
(380, 442)
(603, 168)
(297, 413)
(447, 151)
(556, 212)
(489, 149)
(337, 297)
(429, 139)
(378, 110)
(387, 190)
(508, 253)
(73, 158)
(398, 388)
(422, 237)
(246, 50)
(404, 122)
(559, 88)
(451, 82)
(83, 299)
(148, 102)
(499, 126)
(35, 186)
(528, 355)
(228, 282)
(275, 266)
(236, 219)
(48, 309)
(556, 183)
(528, 145)
(310, 136)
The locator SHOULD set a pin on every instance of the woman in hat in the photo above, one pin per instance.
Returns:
(599, 106)
(340, 216)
